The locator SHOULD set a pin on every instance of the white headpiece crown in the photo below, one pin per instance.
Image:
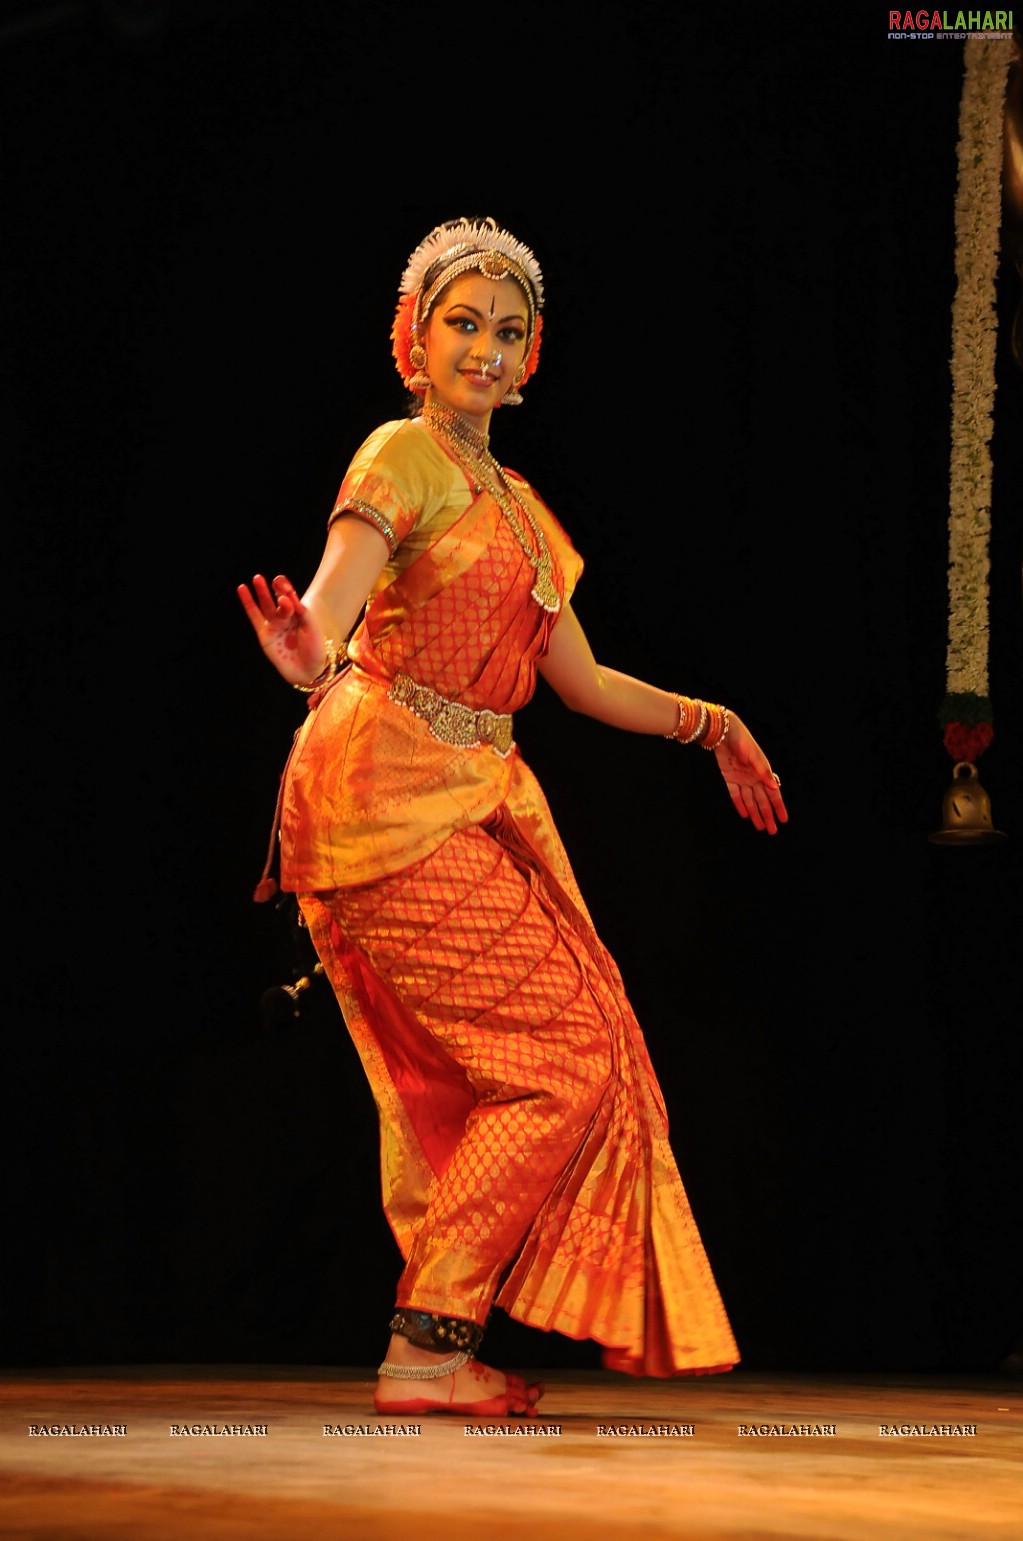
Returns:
(460, 238)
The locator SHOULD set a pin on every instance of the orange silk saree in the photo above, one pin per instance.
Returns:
(525, 1158)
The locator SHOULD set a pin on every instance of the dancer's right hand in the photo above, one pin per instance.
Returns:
(287, 631)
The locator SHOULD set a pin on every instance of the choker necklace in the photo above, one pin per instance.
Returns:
(472, 451)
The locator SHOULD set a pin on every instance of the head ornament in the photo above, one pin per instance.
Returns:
(460, 246)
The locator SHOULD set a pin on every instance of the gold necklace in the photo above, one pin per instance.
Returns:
(472, 451)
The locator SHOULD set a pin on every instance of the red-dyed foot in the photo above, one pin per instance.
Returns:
(448, 1394)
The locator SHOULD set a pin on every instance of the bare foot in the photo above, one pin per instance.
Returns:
(474, 1382)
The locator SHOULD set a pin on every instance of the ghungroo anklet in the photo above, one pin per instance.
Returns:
(423, 1371)
(440, 1334)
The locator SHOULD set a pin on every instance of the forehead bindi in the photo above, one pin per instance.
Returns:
(494, 299)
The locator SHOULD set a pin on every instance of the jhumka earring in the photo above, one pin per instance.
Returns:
(514, 396)
(420, 381)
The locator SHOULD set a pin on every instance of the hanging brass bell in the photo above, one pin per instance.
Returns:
(966, 811)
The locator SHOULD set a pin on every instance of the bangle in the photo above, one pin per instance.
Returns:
(335, 657)
(720, 722)
(692, 719)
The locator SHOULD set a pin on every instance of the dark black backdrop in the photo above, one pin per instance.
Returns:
(742, 417)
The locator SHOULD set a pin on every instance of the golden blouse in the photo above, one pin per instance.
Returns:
(368, 788)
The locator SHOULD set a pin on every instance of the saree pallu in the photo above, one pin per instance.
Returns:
(524, 1144)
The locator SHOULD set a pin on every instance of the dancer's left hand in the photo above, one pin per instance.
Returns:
(754, 788)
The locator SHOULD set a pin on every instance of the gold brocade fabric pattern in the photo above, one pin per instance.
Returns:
(368, 788)
(524, 1146)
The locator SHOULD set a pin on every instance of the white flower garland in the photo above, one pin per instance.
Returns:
(978, 217)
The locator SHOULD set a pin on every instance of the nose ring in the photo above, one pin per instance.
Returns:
(493, 362)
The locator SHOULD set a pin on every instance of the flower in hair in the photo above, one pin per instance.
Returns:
(401, 336)
(449, 249)
(459, 236)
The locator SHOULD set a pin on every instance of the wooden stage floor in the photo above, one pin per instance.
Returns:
(278, 1453)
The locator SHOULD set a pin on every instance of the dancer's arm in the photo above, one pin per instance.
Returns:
(294, 632)
(588, 687)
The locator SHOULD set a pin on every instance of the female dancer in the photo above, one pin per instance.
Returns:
(525, 1156)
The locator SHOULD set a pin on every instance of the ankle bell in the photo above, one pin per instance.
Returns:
(438, 1334)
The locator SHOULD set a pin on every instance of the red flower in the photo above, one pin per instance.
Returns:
(967, 740)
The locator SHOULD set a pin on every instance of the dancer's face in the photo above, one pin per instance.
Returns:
(475, 340)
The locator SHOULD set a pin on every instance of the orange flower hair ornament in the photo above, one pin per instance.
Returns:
(451, 249)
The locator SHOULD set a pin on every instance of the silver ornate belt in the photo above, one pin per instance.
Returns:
(450, 721)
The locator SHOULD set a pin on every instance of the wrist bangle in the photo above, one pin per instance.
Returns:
(692, 719)
(720, 722)
(335, 656)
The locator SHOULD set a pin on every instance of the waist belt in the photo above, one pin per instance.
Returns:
(450, 721)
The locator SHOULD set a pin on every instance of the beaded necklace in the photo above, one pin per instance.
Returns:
(471, 449)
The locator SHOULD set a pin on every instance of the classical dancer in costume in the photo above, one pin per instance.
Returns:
(525, 1157)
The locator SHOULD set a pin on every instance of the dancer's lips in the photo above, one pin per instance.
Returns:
(476, 377)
